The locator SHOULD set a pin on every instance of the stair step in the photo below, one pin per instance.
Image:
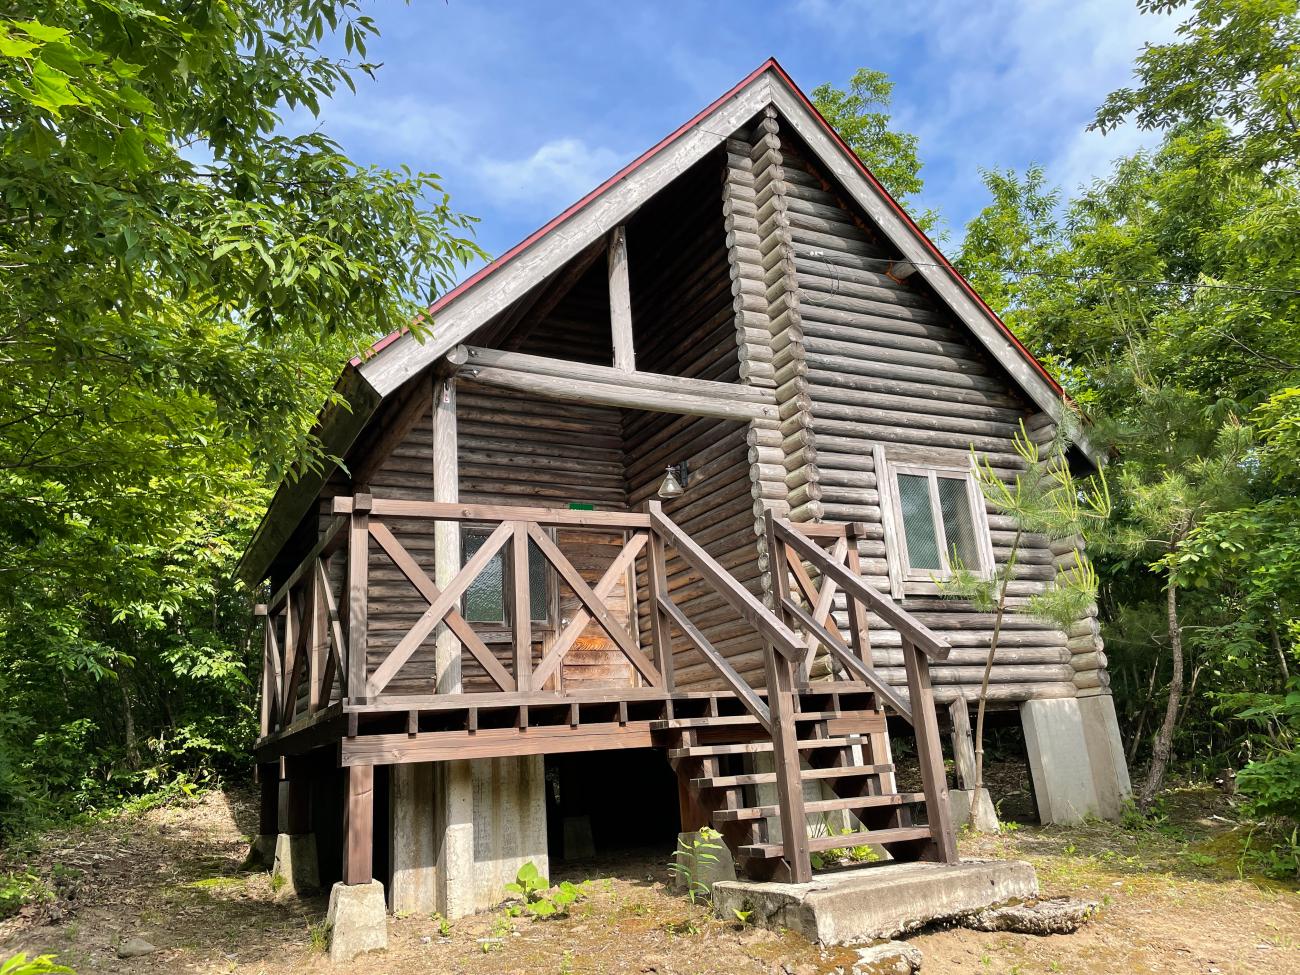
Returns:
(749, 721)
(819, 806)
(758, 747)
(808, 775)
(876, 837)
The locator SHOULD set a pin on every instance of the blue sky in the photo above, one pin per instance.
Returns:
(522, 107)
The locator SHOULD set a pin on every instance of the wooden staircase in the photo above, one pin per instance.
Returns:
(843, 746)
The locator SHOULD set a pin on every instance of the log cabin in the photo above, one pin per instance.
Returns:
(643, 533)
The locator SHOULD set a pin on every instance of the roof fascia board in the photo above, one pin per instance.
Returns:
(930, 263)
(464, 312)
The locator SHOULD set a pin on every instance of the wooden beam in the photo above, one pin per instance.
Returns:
(546, 517)
(447, 546)
(667, 399)
(620, 301)
(443, 746)
(470, 357)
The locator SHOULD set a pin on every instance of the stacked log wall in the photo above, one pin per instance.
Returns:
(882, 361)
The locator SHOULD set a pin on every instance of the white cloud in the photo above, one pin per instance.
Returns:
(556, 174)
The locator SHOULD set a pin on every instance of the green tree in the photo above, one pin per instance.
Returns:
(181, 282)
(1164, 295)
(1044, 498)
(860, 114)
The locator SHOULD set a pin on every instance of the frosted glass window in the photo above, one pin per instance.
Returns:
(937, 518)
(958, 523)
(485, 599)
(918, 522)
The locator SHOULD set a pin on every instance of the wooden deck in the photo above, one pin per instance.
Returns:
(322, 689)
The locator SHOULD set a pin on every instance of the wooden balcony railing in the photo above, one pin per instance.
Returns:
(317, 623)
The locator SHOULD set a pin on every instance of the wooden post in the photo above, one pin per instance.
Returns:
(963, 747)
(358, 584)
(318, 643)
(289, 653)
(656, 587)
(268, 711)
(943, 844)
(446, 534)
(521, 611)
(859, 629)
(620, 301)
(358, 824)
(785, 746)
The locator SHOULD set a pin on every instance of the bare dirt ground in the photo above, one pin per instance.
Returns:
(1172, 902)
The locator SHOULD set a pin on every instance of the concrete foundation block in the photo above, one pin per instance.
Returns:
(702, 861)
(509, 824)
(357, 919)
(1106, 754)
(986, 814)
(1059, 760)
(413, 887)
(261, 852)
(878, 902)
(296, 872)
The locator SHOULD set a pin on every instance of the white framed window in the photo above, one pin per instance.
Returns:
(934, 519)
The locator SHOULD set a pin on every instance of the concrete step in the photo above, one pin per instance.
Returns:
(758, 747)
(876, 837)
(820, 806)
(807, 774)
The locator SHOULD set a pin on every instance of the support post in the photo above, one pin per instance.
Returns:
(358, 585)
(785, 746)
(358, 825)
(446, 534)
(620, 301)
(925, 725)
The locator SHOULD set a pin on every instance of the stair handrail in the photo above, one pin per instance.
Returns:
(895, 616)
(781, 651)
(920, 645)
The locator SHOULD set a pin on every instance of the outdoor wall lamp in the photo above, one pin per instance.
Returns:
(674, 482)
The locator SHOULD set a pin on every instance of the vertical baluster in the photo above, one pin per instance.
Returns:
(929, 753)
(521, 609)
(358, 609)
(657, 589)
(859, 628)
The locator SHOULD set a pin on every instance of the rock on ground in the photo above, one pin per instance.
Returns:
(890, 958)
(135, 948)
(1058, 916)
